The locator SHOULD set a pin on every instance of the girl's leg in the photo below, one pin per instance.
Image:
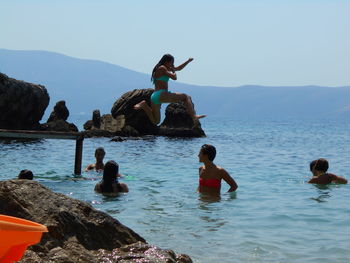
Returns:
(152, 112)
(168, 97)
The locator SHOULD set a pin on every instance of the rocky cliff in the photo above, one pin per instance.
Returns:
(22, 104)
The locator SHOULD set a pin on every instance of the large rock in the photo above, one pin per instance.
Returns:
(22, 104)
(77, 231)
(137, 119)
(178, 122)
(58, 119)
(136, 123)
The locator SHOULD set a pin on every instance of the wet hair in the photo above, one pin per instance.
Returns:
(209, 150)
(25, 174)
(100, 149)
(110, 173)
(319, 165)
(164, 59)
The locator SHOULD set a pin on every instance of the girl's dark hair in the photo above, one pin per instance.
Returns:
(100, 149)
(319, 165)
(110, 173)
(164, 59)
(209, 150)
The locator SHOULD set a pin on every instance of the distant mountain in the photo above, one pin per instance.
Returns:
(86, 85)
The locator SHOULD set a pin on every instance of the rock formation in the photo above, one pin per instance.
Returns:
(22, 104)
(58, 119)
(102, 126)
(136, 123)
(77, 231)
(178, 123)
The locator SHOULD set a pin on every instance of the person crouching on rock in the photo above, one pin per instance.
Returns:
(109, 183)
(210, 175)
(320, 176)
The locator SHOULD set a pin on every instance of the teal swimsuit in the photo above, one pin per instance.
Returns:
(156, 94)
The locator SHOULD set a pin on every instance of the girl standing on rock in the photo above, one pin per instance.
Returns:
(161, 73)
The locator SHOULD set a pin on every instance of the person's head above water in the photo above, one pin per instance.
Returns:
(167, 60)
(208, 150)
(110, 172)
(100, 153)
(25, 174)
(319, 165)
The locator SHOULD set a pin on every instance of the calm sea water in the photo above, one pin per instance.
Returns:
(273, 217)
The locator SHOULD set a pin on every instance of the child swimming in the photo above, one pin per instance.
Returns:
(320, 176)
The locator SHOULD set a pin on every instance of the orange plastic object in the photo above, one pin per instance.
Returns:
(16, 235)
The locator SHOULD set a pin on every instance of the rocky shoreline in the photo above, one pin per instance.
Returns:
(23, 105)
(77, 231)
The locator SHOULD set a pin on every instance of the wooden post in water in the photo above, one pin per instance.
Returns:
(78, 156)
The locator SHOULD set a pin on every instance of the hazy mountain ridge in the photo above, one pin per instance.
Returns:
(89, 84)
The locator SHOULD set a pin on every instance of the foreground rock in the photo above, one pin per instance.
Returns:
(77, 231)
(58, 119)
(22, 104)
(137, 123)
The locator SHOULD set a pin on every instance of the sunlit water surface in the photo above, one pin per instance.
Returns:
(273, 217)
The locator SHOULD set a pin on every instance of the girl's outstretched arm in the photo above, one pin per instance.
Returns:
(180, 67)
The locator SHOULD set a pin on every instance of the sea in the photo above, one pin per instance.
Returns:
(274, 216)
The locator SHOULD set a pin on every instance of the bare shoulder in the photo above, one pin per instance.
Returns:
(221, 170)
(98, 187)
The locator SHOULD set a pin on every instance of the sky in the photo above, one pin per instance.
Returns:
(233, 42)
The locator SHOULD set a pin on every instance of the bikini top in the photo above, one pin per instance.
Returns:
(214, 183)
(164, 78)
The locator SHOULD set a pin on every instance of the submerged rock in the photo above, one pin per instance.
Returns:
(22, 104)
(77, 231)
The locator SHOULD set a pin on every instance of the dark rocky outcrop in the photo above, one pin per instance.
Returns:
(102, 126)
(136, 123)
(77, 231)
(58, 119)
(22, 104)
(136, 119)
(178, 123)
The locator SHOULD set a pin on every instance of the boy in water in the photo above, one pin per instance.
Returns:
(99, 165)
(210, 175)
(320, 176)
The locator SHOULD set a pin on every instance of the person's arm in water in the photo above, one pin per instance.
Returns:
(338, 179)
(90, 167)
(180, 67)
(228, 179)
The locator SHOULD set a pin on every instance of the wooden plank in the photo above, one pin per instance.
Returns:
(78, 136)
(40, 134)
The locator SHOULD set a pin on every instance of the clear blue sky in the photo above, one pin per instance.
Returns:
(263, 42)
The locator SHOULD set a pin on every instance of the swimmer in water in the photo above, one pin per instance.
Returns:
(109, 183)
(210, 175)
(99, 165)
(320, 176)
(161, 74)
